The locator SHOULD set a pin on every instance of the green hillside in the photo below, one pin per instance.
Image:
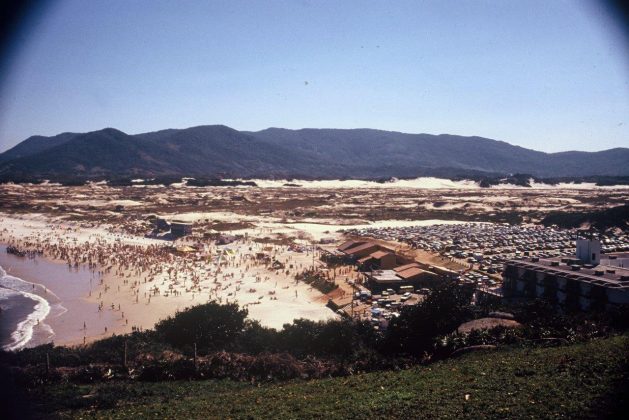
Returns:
(579, 381)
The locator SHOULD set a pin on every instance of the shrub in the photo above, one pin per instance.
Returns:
(211, 326)
(416, 329)
(336, 338)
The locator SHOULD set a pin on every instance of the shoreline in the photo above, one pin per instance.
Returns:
(100, 282)
(15, 310)
(88, 304)
(59, 287)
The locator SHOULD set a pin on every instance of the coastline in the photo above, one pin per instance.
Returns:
(134, 282)
(15, 310)
(126, 300)
(62, 289)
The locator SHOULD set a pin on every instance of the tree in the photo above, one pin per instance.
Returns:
(256, 338)
(417, 327)
(212, 326)
(336, 338)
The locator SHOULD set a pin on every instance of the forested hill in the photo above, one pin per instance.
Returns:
(220, 151)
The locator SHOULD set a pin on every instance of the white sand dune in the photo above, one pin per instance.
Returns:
(421, 183)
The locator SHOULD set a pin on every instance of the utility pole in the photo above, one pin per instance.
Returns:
(353, 293)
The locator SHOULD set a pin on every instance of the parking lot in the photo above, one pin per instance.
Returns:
(483, 248)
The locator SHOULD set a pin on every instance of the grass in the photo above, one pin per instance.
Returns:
(580, 381)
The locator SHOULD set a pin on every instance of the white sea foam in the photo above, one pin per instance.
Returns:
(11, 285)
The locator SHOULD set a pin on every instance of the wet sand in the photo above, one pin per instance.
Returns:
(86, 306)
(66, 291)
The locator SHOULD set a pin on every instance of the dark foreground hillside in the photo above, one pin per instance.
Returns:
(578, 381)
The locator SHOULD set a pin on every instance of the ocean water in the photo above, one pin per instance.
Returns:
(15, 309)
(44, 300)
(24, 309)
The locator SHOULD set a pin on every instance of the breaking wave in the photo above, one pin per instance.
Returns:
(11, 286)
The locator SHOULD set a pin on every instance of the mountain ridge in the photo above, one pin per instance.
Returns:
(221, 151)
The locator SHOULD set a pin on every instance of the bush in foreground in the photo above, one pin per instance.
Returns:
(211, 326)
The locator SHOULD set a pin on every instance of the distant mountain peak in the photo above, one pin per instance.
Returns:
(219, 150)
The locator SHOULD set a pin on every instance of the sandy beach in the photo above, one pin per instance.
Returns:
(137, 287)
(105, 273)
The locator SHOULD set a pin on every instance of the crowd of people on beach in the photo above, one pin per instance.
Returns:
(203, 271)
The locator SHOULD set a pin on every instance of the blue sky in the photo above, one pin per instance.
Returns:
(548, 75)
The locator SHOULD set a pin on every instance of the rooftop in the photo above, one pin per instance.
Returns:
(410, 272)
(385, 276)
(602, 275)
(406, 267)
(349, 244)
(380, 254)
(359, 248)
(365, 259)
(617, 260)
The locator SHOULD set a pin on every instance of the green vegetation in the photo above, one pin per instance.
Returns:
(242, 368)
(317, 280)
(579, 381)
(522, 180)
(604, 219)
(215, 151)
(210, 326)
(232, 346)
(418, 326)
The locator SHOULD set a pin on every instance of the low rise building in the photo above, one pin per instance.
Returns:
(411, 275)
(382, 260)
(349, 244)
(419, 277)
(589, 250)
(568, 282)
(362, 250)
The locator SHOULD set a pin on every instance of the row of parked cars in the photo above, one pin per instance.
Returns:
(387, 304)
(487, 246)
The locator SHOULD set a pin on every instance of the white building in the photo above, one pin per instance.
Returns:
(589, 251)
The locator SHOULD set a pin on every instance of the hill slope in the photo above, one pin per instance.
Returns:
(308, 153)
(35, 144)
(580, 381)
(400, 154)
